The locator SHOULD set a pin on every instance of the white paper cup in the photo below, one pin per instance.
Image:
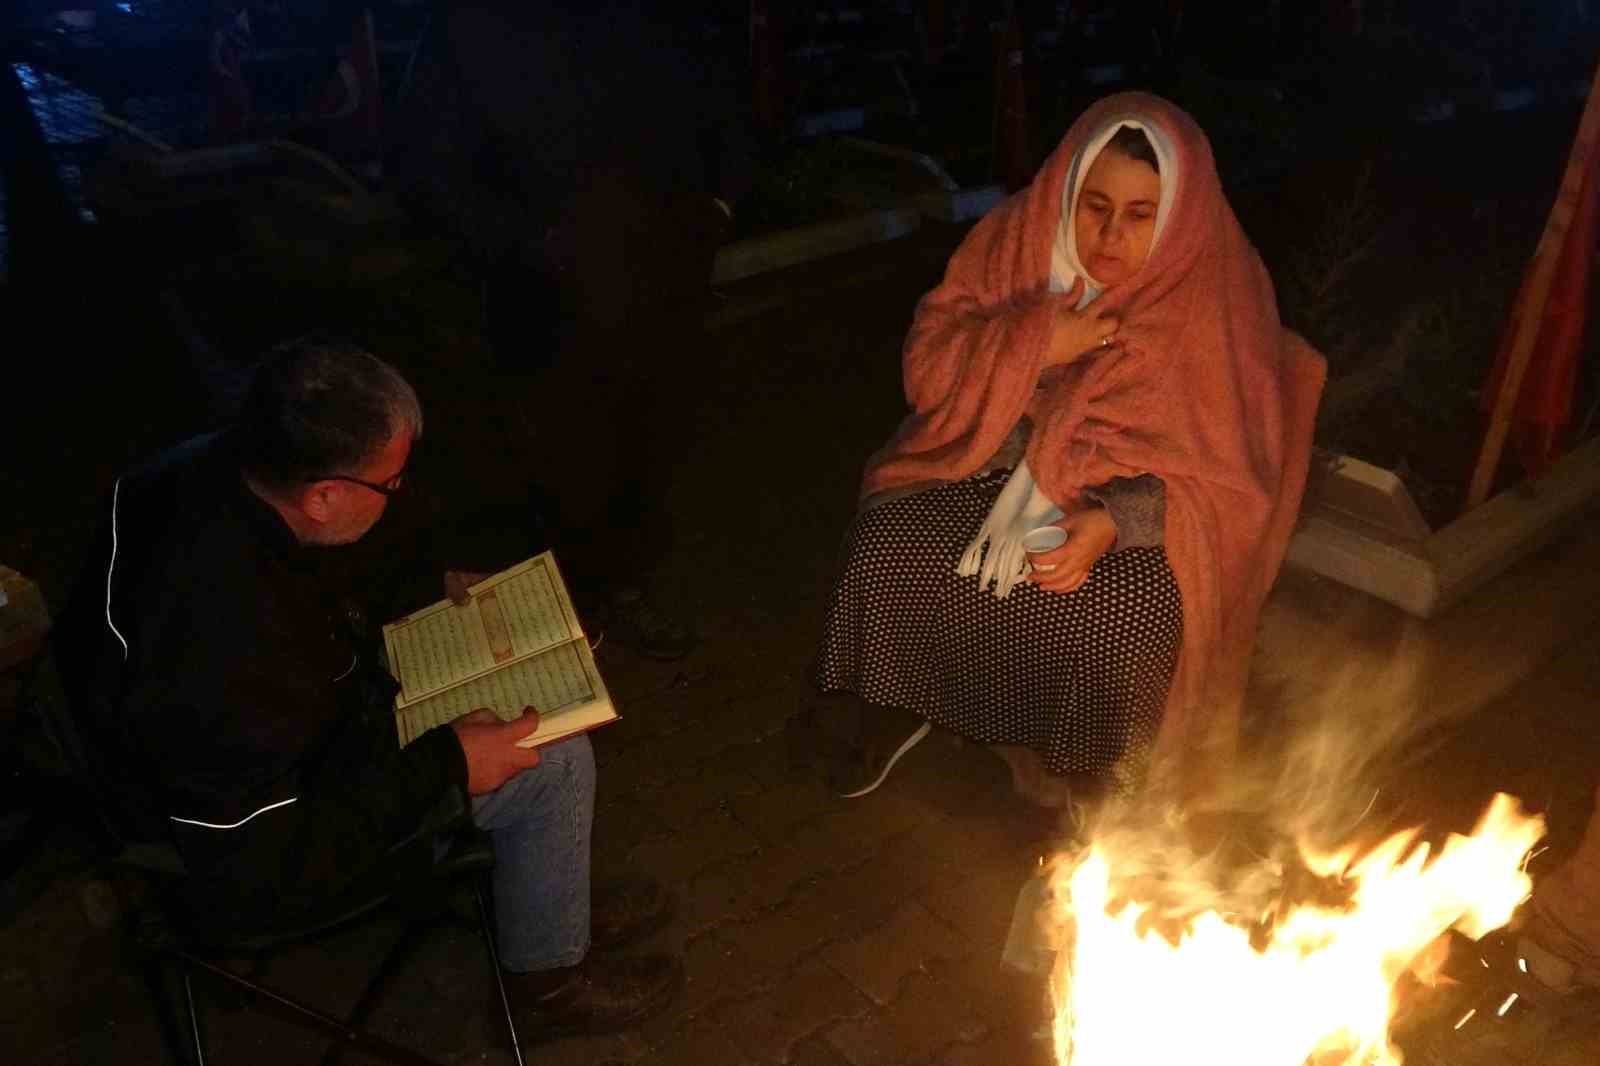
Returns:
(1043, 539)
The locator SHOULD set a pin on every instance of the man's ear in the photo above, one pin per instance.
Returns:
(316, 501)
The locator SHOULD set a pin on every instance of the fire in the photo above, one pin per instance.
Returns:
(1314, 981)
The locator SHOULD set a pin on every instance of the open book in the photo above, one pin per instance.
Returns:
(517, 643)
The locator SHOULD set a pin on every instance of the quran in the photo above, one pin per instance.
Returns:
(515, 643)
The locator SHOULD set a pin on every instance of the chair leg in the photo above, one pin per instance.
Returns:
(400, 953)
(182, 1047)
(355, 1038)
(486, 922)
(194, 1016)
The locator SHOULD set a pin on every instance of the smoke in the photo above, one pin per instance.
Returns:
(1328, 723)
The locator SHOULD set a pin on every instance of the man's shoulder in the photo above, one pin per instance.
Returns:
(177, 523)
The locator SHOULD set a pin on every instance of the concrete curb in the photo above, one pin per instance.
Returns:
(1364, 547)
(790, 247)
(959, 205)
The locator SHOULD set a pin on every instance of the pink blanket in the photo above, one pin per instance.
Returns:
(1207, 390)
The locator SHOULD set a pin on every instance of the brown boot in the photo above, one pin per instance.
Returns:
(598, 995)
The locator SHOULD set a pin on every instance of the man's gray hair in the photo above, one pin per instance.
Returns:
(318, 407)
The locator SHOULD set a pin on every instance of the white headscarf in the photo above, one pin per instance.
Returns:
(1065, 266)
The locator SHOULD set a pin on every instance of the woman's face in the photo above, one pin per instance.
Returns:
(1115, 221)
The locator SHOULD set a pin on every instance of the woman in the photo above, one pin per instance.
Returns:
(1104, 354)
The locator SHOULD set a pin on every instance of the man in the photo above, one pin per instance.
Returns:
(242, 710)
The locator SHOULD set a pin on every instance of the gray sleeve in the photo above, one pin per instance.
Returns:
(1138, 506)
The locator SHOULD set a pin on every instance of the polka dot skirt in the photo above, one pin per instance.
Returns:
(1080, 677)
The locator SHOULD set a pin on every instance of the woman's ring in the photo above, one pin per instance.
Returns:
(1105, 342)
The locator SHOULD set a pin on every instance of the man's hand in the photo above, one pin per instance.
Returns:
(1090, 534)
(456, 583)
(490, 745)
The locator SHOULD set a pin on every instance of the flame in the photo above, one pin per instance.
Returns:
(1309, 981)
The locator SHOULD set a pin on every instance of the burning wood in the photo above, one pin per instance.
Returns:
(1161, 961)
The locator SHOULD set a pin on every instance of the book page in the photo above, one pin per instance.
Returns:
(558, 680)
(437, 647)
(511, 615)
(527, 606)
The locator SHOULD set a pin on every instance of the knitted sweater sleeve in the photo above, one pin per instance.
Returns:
(1138, 506)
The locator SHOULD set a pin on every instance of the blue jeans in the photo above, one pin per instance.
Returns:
(540, 823)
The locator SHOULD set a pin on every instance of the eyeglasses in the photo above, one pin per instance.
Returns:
(387, 488)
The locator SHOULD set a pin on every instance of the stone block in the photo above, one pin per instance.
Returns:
(675, 858)
(768, 1026)
(928, 1017)
(1009, 1046)
(773, 814)
(701, 1043)
(877, 962)
(1363, 543)
(980, 906)
(715, 971)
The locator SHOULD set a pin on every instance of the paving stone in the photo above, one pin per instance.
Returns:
(877, 962)
(980, 906)
(911, 865)
(701, 1043)
(692, 747)
(654, 716)
(815, 1051)
(686, 802)
(891, 810)
(768, 761)
(620, 825)
(586, 1050)
(677, 857)
(769, 1025)
(773, 814)
(1000, 1048)
(817, 914)
(638, 766)
(739, 764)
(714, 970)
(728, 772)
(1004, 998)
(936, 856)
(739, 889)
(839, 840)
(751, 716)
(928, 1017)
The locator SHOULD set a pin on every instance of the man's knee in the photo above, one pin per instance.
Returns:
(570, 760)
(565, 777)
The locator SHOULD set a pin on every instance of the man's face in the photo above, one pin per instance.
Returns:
(351, 508)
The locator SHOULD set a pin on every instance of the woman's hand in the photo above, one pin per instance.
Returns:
(1078, 332)
(1090, 534)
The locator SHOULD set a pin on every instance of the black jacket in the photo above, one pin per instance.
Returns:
(233, 702)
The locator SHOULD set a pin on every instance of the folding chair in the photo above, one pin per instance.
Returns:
(419, 880)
